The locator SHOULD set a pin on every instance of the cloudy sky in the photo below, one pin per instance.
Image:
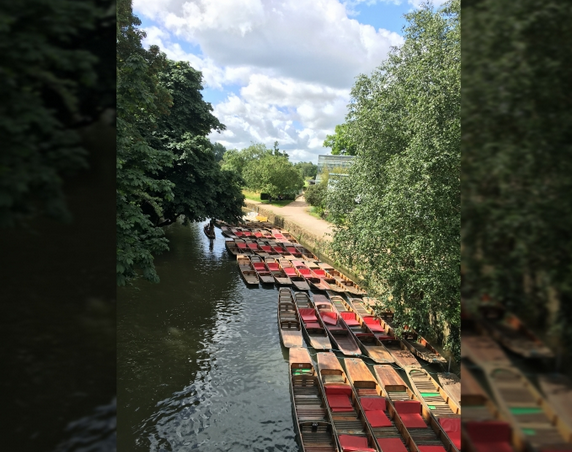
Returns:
(277, 70)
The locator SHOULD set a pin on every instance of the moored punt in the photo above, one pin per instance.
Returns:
(431, 394)
(385, 423)
(425, 429)
(482, 429)
(312, 418)
(350, 424)
(419, 346)
(511, 332)
(384, 333)
(312, 326)
(297, 281)
(243, 247)
(367, 341)
(535, 423)
(246, 270)
(231, 247)
(345, 283)
(288, 320)
(451, 384)
(335, 326)
(263, 273)
(279, 275)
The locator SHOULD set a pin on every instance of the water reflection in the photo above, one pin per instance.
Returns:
(200, 361)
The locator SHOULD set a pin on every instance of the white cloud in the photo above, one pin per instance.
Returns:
(291, 63)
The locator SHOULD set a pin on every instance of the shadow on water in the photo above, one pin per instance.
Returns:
(200, 365)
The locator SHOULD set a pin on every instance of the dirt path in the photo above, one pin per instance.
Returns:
(297, 212)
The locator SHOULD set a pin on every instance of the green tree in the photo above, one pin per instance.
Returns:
(273, 174)
(237, 160)
(516, 183)
(141, 101)
(341, 142)
(219, 151)
(307, 169)
(53, 81)
(397, 215)
(315, 195)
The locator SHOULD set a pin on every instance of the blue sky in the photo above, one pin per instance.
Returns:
(276, 70)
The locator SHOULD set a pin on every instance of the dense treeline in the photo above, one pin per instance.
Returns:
(397, 214)
(166, 167)
(516, 185)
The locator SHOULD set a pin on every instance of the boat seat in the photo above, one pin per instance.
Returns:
(330, 318)
(452, 427)
(313, 326)
(409, 413)
(391, 445)
(377, 418)
(489, 436)
(308, 314)
(352, 443)
(373, 403)
(349, 318)
(339, 402)
(432, 449)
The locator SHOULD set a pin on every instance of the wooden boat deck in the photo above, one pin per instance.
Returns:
(350, 420)
(420, 347)
(315, 333)
(451, 384)
(335, 326)
(288, 320)
(558, 391)
(312, 417)
(430, 393)
(398, 391)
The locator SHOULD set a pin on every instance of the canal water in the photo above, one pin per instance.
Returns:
(200, 364)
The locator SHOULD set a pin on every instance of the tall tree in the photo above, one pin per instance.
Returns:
(340, 142)
(141, 102)
(516, 185)
(273, 174)
(397, 215)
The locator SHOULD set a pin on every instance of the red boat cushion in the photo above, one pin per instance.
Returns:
(307, 314)
(290, 271)
(374, 324)
(490, 436)
(266, 248)
(452, 427)
(258, 234)
(407, 406)
(339, 402)
(292, 250)
(331, 318)
(351, 443)
(273, 266)
(412, 420)
(238, 233)
(338, 389)
(391, 445)
(377, 418)
(373, 403)
(432, 449)
(319, 273)
(310, 325)
(258, 265)
(349, 318)
(253, 246)
(304, 271)
(241, 245)
(247, 233)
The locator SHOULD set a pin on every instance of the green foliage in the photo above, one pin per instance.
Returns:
(307, 169)
(516, 183)
(235, 160)
(273, 174)
(141, 101)
(51, 83)
(315, 195)
(341, 141)
(397, 214)
(219, 151)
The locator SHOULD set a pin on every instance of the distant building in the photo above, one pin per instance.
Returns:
(334, 165)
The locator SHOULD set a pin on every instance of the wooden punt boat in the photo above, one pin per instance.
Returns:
(231, 247)
(313, 281)
(384, 333)
(431, 394)
(369, 344)
(279, 275)
(312, 418)
(306, 254)
(384, 421)
(345, 283)
(425, 429)
(297, 281)
(558, 391)
(208, 232)
(536, 425)
(246, 270)
(512, 333)
(410, 339)
(337, 329)
(312, 325)
(451, 384)
(260, 267)
(243, 247)
(288, 320)
(293, 251)
(350, 424)
(419, 346)
(482, 429)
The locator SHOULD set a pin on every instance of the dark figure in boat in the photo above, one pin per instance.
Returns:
(209, 229)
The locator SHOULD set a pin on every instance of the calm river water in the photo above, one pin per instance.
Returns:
(200, 364)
